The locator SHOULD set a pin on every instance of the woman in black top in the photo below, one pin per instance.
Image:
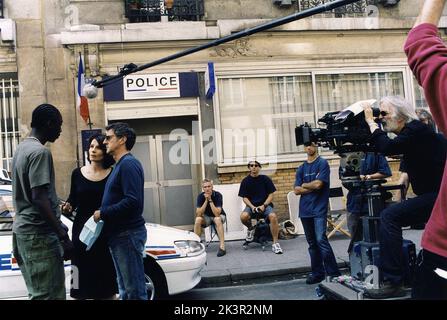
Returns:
(95, 269)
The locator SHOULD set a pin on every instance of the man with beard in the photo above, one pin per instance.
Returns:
(424, 154)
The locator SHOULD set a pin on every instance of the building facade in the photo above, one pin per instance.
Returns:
(265, 84)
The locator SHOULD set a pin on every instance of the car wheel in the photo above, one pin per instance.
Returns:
(155, 280)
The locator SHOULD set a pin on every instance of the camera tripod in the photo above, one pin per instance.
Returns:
(365, 254)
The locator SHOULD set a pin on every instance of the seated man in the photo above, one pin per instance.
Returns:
(257, 192)
(209, 210)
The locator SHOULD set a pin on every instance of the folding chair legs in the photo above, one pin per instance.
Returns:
(338, 227)
(213, 233)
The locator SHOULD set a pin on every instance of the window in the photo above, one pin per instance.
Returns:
(258, 115)
(336, 91)
(419, 95)
(9, 120)
(171, 10)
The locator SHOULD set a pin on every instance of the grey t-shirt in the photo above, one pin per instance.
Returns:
(32, 166)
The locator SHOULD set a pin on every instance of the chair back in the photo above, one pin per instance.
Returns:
(293, 201)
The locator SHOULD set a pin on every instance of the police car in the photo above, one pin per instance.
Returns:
(174, 258)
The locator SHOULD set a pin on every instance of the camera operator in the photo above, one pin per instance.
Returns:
(427, 57)
(312, 183)
(424, 153)
(257, 192)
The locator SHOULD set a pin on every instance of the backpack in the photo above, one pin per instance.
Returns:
(287, 230)
(262, 232)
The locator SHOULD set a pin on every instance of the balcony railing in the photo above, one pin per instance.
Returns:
(355, 9)
(164, 10)
(1, 9)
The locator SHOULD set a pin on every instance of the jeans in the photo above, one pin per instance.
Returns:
(40, 258)
(127, 250)
(392, 219)
(427, 284)
(322, 257)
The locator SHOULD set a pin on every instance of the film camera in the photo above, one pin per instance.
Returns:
(345, 131)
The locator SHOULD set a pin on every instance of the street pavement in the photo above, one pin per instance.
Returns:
(240, 265)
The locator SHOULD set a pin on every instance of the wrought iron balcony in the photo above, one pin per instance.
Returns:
(355, 9)
(154, 10)
(1, 9)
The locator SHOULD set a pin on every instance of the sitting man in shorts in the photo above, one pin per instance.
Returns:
(257, 192)
(209, 210)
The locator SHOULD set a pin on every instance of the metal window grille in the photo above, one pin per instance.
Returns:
(9, 121)
(174, 10)
(356, 9)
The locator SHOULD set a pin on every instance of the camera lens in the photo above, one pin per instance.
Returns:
(376, 112)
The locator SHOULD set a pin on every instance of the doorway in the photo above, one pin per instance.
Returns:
(170, 179)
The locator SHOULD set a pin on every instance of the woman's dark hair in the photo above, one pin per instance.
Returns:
(107, 160)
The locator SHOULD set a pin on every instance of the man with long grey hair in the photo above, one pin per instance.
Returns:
(423, 152)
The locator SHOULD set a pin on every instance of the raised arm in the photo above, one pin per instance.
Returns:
(431, 12)
(427, 58)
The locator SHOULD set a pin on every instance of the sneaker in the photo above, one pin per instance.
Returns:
(250, 235)
(276, 248)
(387, 290)
(311, 279)
(221, 252)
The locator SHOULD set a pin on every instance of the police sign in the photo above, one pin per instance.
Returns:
(149, 86)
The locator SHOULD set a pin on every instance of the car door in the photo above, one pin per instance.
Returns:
(12, 284)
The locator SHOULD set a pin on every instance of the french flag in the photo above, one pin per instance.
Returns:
(81, 101)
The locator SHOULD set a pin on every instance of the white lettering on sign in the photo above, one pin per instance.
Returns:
(149, 86)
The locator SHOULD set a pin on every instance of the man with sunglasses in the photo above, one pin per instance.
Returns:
(257, 192)
(122, 212)
(427, 57)
(424, 153)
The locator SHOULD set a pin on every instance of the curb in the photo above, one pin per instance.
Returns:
(229, 276)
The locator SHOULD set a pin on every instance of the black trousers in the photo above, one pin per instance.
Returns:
(427, 284)
(392, 219)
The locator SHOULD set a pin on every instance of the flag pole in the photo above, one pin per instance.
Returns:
(89, 121)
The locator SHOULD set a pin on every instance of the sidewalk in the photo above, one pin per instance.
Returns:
(239, 264)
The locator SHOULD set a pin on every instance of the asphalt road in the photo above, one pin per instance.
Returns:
(284, 289)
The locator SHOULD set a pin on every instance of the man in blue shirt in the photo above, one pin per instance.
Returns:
(122, 212)
(209, 210)
(257, 192)
(312, 184)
